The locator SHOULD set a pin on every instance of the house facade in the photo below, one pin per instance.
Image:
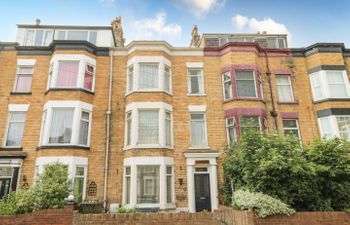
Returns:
(145, 125)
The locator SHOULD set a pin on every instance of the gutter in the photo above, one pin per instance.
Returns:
(108, 118)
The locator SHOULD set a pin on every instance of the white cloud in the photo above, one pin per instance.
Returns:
(200, 7)
(108, 2)
(253, 25)
(154, 28)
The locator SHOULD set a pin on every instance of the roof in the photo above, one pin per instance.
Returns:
(78, 27)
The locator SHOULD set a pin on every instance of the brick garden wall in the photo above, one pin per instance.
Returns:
(50, 216)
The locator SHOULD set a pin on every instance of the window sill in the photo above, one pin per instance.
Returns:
(149, 91)
(70, 89)
(5, 148)
(245, 99)
(198, 147)
(63, 146)
(296, 102)
(331, 99)
(137, 147)
(196, 95)
(20, 93)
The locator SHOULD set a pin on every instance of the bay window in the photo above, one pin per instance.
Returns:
(148, 182)
(231, 130)
(284, 88)
(66, 123)
(245, 84)
(249, 123)
(148, 125)
(72, 72)
(335, 125)
(328, 84)
(148, 73)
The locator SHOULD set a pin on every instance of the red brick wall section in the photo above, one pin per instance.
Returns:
(50, 216)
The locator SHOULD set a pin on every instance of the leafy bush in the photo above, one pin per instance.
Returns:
(274, 165)
(48, 192)
(263, 205)
(126, 210)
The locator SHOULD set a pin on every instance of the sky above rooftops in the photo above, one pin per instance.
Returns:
(305, 21)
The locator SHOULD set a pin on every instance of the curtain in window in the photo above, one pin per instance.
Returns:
(61, 126)
(67, 74)
(24, 83)
(148, 76)
(316, 85)
(336, 84)
(245, 84)
(147, 184)
(195, 80)
(326, 127)
(88, 77)
(284, 89)
(343, 123)
(15, 129)
(198, 137)
(168, 128)
(148, 127)
(84, 128)
(166, 79)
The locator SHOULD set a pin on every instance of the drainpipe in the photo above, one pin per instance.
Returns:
(108, 118)
(268, 74)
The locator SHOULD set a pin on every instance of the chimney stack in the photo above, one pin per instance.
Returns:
(37, 22)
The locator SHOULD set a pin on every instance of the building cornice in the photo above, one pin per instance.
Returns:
(62, 45)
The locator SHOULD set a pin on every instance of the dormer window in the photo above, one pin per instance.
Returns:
(77, 35)
(72, 72)
(38, 37)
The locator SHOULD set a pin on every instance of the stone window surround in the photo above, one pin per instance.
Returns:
(135, 61)
(257, 80)
(134, 107)
(160, 161)
(84, 60)
(78, 108)
(71, 161)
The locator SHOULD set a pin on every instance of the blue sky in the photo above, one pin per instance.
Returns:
(306, 21)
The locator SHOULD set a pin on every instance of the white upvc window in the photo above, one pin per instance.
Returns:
(38, 37)
(291, 127)
(198, 130)
(231, 130)
(72, 72)
(335, 125)
(66, 123)
(15, 125)
(329, 84)
(245, 84)
(148, 125)
(227, 85)
(284, 88)
(249, 123)
(77, 172)
(79, 35)
(149, 73)
(148, 182)
(195, 81)
(24, 75)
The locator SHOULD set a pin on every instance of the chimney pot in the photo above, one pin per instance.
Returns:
(37, 22)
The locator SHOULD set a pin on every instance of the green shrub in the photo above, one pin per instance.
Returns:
(263, 205)
(49, 192)
(126, 210)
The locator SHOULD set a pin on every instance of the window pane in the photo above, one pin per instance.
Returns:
(231, 134)
(61, 35)
(291, 127)
(78, 188)
(167, 79)
(194, 85)
(79, 171)
(316, 85)
(148, 77)
(15, 128)
(245, 84)
(281, 43)
(343, 123)
(168, 128)
(148, 127)
(88, 77)
(83, 132)
(326, 127)
(25, 70)
(195, 81)
(284, 93)
(24, 83)
(93, 37)
(67, 74)
(48, 37)
(61, 126)
(198, 136)
(249, 123)
(271, 43)
(227, 85)
(336, 84)
(168, 189)
(128, 128)
(290, 124)
(147, 184)
(77, 35)
(39, 37)
(30, 38)
(127, 186)
(130, 78)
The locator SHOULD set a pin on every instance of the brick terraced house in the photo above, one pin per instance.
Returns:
(145, 125)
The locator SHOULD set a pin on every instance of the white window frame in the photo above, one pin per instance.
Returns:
(134, 108)
(233, 126)
(332, 121)
(13, 108)
(32, 42)
(162, 162)
(171, 128)
(83, 62)
(72, 162)
(198, 109)
(223, 84)
(66, 34)
(288, 128)
(195, 66)
(290, 87)
(326, 94)
(240, 124)
(24, 63)
(255, 84)
(78, 107)
(136, 61)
